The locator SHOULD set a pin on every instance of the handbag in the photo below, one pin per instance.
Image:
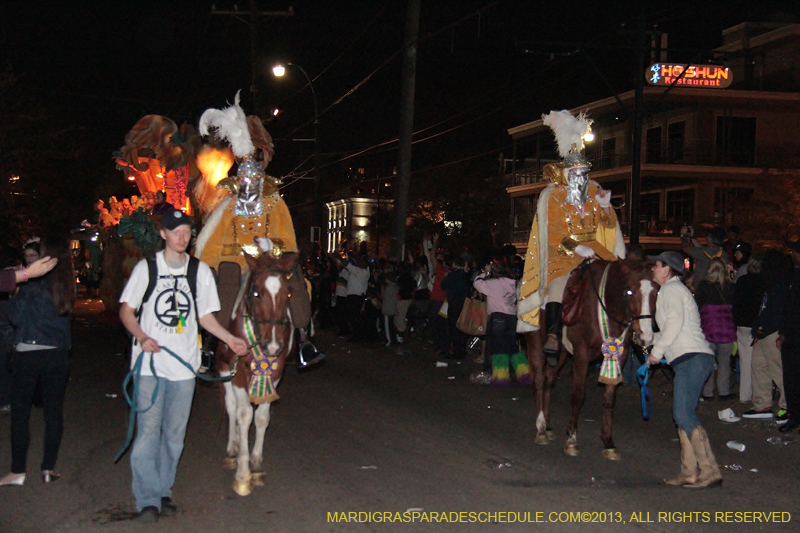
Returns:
(473, 317)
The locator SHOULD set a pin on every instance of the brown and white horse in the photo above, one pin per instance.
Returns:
(263, 300)
(629, 306)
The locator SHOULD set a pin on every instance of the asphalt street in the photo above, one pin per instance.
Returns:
(381, 439)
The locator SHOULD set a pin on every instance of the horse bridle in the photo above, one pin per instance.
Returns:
(248, 314)
(630, 318)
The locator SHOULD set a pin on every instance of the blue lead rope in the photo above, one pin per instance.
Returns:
(643, 375)
(132, 400)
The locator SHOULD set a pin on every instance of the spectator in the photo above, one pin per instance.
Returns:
(436, 323)
(405, 293)
(422, 294)
(681, 343)
(340, 309)
(457, 286)
(789, 343)
(357, 282)
(741, 257)
(732, 241)
(10, 260)
(40, 314)
(389, 293)
(766, 358)
(500, 288)
(701, 255)
(31, 252)
(161, 206)
(747, 299)
(714, 297)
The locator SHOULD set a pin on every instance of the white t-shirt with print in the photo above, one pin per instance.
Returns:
(170, 300)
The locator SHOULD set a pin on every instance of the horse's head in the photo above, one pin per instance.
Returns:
(641, 293)
(266, 301)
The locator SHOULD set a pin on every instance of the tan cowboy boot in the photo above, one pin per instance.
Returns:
(710, 475)
(688, 463)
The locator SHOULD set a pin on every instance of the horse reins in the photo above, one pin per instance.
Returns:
(630, 318)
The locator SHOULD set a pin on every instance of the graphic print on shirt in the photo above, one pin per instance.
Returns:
(171, 304)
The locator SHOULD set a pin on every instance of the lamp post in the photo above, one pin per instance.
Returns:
(280, 71)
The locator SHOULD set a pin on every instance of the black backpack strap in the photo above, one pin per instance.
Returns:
(152, 273)
(191, 277)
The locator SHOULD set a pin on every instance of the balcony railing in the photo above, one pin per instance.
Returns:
(685, 153)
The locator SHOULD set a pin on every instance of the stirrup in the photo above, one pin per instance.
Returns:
(550, 354)
(311, 357)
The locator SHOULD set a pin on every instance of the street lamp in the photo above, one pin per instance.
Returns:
(279, 71)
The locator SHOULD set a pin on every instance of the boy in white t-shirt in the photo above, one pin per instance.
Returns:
(167, 318)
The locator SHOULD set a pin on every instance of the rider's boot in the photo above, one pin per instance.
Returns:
(552, 345)
(308, 354)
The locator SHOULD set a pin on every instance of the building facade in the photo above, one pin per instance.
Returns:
(707, 152)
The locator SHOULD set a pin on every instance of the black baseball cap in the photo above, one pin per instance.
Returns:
(174, 218)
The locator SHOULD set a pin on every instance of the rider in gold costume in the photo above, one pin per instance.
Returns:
(574, 221)
(254, 208)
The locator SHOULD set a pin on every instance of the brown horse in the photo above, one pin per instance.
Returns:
(629, 304)
(263, 301)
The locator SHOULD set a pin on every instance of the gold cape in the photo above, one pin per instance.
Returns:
(563, 229)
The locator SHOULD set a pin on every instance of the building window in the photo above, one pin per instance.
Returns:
(676, 136)
(608, 156)
(736, 141)
(680, 205)
(653, 146)
(524, 208)
(732, 205)
(649, 212)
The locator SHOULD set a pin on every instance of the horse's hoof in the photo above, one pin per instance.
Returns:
(612, 454)
(259, 479)
(230, 463)
(572, 450)
(541, 438)
(550, 434)
(243, 487)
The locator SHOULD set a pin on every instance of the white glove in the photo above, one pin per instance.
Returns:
(584, 251)
(265, 243)
(603, 197)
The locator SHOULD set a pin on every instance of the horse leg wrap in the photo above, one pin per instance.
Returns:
(521, 368)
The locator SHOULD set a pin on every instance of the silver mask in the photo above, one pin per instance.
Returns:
(577, 186)
(250, 177)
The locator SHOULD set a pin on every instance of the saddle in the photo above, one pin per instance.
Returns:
(572, 303)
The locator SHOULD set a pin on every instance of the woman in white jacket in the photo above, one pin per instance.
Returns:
(682, 344)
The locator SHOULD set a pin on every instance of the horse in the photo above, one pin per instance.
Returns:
(261, 316)
(629, 307)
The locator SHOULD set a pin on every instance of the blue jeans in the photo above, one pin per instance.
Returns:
(691, 372)
(159, 438)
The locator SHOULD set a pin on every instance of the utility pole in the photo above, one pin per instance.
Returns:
(255, 14)
(638, 118)
(406, 130)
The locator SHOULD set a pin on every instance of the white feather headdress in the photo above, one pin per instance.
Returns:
(231, 124)
(568, 129)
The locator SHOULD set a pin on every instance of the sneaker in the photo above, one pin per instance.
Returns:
(148, 515)
(782, 418)
(761, 413)
(167, 507)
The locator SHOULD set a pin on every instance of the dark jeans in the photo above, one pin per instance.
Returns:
(501, 337)
(457, 337)
(355, 304)
(437, 325)
(691, 373)
(790, 359)
(51, 366)
(6, 345)
(340, 312)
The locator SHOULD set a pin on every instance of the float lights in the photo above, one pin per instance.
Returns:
(279, 70)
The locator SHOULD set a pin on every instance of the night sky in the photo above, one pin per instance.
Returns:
(97, 67)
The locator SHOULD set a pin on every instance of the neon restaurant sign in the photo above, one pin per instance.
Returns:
(710, 76)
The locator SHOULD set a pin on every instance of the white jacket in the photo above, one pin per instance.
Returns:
(679, 321)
